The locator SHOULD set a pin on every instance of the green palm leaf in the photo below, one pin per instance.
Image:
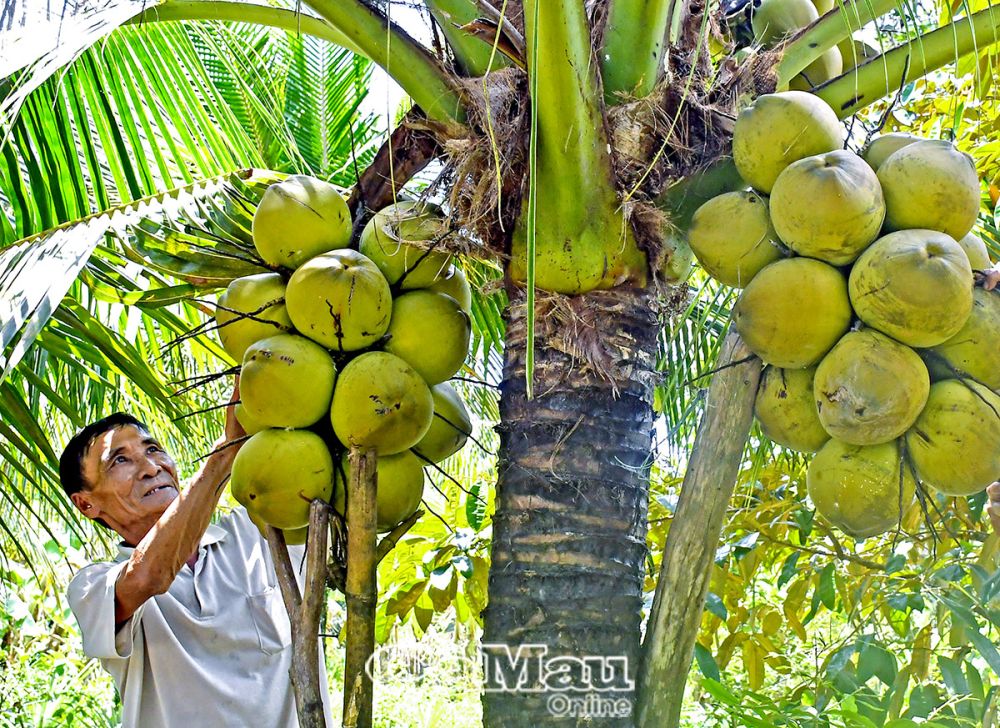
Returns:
(96, 336)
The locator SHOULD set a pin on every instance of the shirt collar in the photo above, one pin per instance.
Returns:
(213, 534)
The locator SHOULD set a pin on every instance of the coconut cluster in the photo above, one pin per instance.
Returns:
(343, 348)
(858, 293)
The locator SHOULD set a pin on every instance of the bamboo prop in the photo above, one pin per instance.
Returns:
(693, 538)
(361, 591)
(304, 611)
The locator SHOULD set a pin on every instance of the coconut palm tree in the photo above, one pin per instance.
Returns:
(576, 139)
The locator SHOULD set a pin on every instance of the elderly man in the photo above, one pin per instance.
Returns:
(188, 619)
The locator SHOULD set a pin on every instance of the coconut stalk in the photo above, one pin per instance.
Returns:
(816, 39)
(476, 54)
(884, 75)
(304, 611)
(361, 591)
(694, 536)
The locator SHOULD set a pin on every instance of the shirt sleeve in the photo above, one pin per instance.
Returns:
(91, 596)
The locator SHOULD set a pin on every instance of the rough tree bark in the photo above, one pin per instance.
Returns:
(570, 526)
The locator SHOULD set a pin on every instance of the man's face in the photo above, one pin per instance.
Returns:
(130, 481)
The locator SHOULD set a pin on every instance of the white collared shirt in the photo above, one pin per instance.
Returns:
(213, 651)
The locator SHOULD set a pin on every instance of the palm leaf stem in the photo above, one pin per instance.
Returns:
(246, 12)
(475, 56)
(635, 39)
(885, 74)
(408, 63)
(836, 25)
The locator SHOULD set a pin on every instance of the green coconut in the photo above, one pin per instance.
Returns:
(869, 389)
(781, 128)
(430, 332)
(455, 284)
(955, 442)
(263, 297)
(450, 427)
(823, 6)
(675, 262)
(793, 312)
(829, 65)
(398, 492)
(772, 20)
(278, 473)
(339, 299)
(861, 489)
(828, 206)
(786, 409)
(293, 536)
(975, 249)
(930, 185)
(298, 219)
(733, 238)
(975, 350)
(914, 285)
(401, 240)
(287, 381)
(381, 403)
(881, 148)
(246, 420)
(854, 52)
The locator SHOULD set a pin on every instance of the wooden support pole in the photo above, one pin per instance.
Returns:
(304, 611)
(361, 588)
(694, 536)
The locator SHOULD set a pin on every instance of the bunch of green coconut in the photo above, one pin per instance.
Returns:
(343, 348)
(859, 294)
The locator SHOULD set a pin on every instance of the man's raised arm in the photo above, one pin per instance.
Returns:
(174, 537)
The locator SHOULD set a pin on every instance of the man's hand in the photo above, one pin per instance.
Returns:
(234, 430)
(990, 278)
(993, 509)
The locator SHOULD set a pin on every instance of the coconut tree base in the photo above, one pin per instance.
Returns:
(569, 535)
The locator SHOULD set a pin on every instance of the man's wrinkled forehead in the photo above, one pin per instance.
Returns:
(103, 447)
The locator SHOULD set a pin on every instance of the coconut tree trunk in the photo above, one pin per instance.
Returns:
(569, 534)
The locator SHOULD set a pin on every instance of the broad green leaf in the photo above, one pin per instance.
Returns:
(951, 672)
(714, 605)
(874, 660)
(827, 589)
(706, 663)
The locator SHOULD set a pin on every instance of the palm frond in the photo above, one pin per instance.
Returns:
(43, 38)
(96, 337)
(689, 347)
